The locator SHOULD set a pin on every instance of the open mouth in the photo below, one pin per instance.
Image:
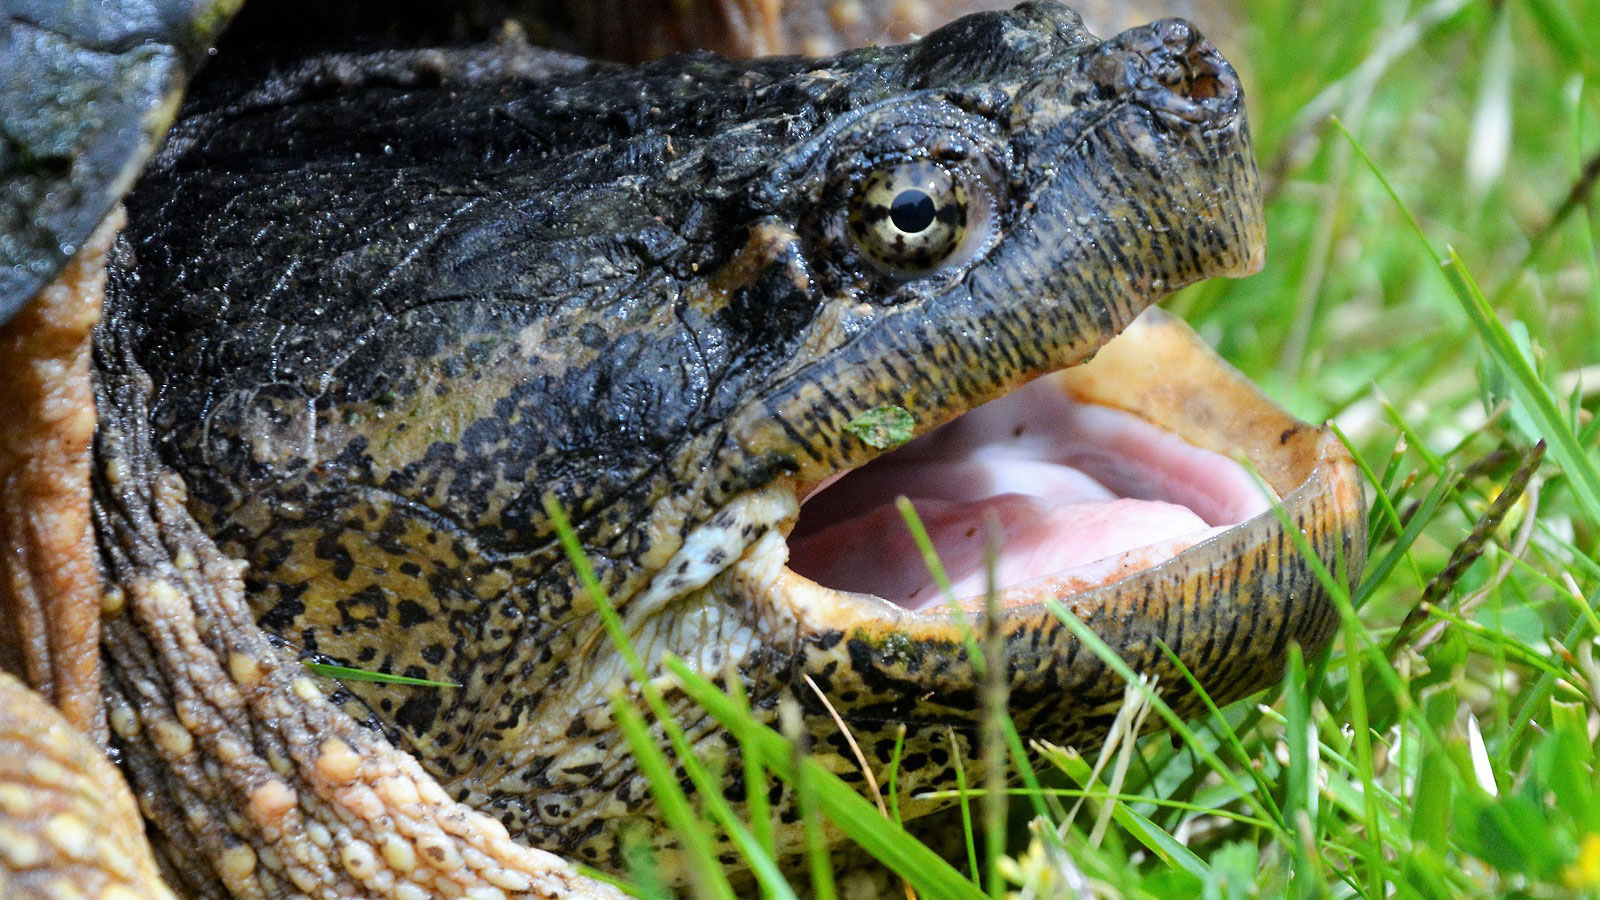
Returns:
(1080, 479)
(1078, 495)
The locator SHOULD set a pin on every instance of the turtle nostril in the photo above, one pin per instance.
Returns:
(1189, 65)
(1171, 68)
(1210, 76)
(1204, 73)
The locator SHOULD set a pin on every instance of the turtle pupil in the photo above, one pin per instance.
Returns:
(912, 211)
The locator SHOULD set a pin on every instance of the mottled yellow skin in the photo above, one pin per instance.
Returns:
(301, 799)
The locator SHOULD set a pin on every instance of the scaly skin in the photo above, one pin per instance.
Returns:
(49, 584)
(323, 805)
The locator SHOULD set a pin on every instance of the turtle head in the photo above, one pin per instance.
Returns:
(965, 246)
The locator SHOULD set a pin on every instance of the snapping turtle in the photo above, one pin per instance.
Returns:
(374, 310)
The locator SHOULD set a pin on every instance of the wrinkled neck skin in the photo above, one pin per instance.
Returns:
(634, 293)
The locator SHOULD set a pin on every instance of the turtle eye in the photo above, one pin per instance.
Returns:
(910, 217)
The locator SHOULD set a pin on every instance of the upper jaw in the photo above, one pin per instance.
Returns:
(1116, 203)
(1135, 164)
(1121, 197)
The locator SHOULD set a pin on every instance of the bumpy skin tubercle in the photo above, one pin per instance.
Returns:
(49, 584)
(68, 826)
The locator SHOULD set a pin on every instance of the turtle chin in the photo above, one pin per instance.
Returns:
(1123, 491)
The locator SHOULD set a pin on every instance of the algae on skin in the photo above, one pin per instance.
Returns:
(883, 426)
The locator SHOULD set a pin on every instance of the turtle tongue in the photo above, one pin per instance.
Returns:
(1082, 495)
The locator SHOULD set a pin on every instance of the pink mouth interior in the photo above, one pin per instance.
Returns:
(1084, 495)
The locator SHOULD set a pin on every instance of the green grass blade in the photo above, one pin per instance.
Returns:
(1420, 519)
(1044, 805)
(708, 881)
(820, 866)
(1529, 389)
(1228, 737)
(757, 809)
(1152, 836)
(1099, 647)
(347, 673)
(964, 803)
(701, 853)
(857, 817)
(894, 772)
